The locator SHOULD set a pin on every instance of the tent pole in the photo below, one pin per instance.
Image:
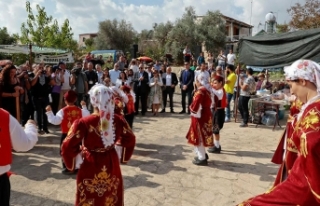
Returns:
(235, 110)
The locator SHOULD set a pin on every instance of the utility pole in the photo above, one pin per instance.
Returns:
(251, 12)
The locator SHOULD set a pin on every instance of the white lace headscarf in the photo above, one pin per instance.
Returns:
(203, 79)
(304, 69)
(102, 98)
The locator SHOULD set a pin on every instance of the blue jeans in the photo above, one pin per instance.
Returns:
(229, 98)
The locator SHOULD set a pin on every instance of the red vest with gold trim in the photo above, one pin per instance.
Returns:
(70, 114)
(129, 109)
(221, 103)
(5, 139)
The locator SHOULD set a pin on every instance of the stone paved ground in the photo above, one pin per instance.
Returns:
(160, 172)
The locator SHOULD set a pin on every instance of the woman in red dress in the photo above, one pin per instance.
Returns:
(200, 131)
(99, 179)
(286, 152)
(302, 186)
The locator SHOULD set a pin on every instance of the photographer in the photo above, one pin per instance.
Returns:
(40, 87)
(79, 83)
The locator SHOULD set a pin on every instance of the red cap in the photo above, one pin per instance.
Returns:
(70, 96)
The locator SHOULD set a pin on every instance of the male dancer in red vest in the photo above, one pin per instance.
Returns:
(218, 112)
(66, 116)
(12, 136)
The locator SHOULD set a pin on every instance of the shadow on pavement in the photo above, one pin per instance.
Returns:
(140, 180)
(265, 171)
(17, 198)
(267, 155)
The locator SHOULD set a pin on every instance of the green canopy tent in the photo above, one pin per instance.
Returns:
(279, 50)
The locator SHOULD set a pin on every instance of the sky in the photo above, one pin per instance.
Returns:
(84, 15)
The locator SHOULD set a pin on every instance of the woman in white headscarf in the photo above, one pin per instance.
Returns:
(302, 186)
(200, 131)
(99, 179)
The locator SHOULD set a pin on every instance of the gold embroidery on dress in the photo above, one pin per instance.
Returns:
(101, 183)
(311, 118)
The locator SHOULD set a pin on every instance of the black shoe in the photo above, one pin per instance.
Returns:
(214, 149)
(40, 131)
(182, 112)
(189, 112)
(65, 171)
(163, 111)
(172, 111)
(207, 157)
(143, 114)
(136, 113)
(200, 162)
(46, 131)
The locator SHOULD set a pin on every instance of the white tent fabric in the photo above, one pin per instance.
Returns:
(24, 49)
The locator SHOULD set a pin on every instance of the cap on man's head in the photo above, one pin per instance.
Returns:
(60, 63)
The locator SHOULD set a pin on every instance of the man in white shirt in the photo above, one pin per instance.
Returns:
(12, 136)
(231, 57)
(114, 74)
(66, 83)
(200, 71)
(99, 73)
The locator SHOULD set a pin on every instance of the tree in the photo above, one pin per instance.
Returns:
(305, 16)
(5, 37)
(282, 28)
(114, 34)
(161, 32)
(212, 31)
(43, 31)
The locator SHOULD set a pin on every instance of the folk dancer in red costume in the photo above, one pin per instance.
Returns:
(99, 179)
(302, 186)
(12, 136)
(129, 106)
(218, 112)
(286, 152)
(66, 116)
(200, 131)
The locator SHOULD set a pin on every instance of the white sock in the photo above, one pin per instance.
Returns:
(217, 143)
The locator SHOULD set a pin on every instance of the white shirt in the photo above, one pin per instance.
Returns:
(218, 93)
(57, 119)
(231, 58)
(66, 83)
(100, 75)
(114, 75)
(198, 72)
(168, 80)
(134, 68)
(21, 140)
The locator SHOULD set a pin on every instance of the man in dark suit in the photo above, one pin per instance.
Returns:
(186, 85)
(170, 81)
(141, 87)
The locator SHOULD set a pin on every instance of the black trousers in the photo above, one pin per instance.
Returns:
(63, 136)
(184, 94)
(129, 118)
(55, 102)
(141, 96)
(28, 112)
(243, 108)
(4, 190)
(168, 91)
(40, 105)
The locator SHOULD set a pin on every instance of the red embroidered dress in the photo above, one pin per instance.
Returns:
(302, 187)
(201, 127)
(291, 149)
(99, 179)
(5, 140)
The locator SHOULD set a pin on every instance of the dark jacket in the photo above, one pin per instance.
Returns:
(174, 79)
(144, 86)
(188, 81)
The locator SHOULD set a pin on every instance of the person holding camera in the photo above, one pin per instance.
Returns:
(40, 88)
(79, 83)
